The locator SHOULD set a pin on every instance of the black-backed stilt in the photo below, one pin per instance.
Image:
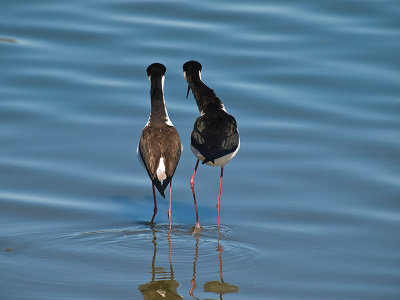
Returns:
(215, 137)
(159, 147)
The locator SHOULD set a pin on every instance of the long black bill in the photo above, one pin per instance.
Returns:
(187, 94)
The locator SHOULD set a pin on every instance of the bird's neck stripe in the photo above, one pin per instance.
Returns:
(184, 75)
(162, 81)
(222, 108)
(168, 121)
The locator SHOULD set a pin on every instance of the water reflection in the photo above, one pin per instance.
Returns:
(163, 285)
(218, 287)
(160, 288)
(196, 255)
(8, 40)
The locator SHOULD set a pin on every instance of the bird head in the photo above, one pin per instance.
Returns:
(190, 69)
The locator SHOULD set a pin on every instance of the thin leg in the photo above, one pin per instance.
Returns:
(169, 209)
(194, 195)
(219, 194)
(155, 204)
(170, 254)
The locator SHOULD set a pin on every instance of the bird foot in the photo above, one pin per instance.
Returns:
(197, 229)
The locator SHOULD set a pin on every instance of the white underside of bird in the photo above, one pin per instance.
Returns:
(219, 162)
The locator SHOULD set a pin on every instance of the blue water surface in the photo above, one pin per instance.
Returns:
(310, 206)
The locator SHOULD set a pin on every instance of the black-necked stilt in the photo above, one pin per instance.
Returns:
(215, 138)
(159, 147)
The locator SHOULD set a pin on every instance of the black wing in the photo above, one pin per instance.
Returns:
(215, 135)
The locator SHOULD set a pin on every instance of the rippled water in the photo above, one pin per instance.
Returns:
(310, 205)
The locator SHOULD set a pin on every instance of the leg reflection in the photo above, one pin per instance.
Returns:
(196, 255)
(159, 287)
(220, 287)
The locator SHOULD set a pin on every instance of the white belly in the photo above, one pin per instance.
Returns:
(219, 162)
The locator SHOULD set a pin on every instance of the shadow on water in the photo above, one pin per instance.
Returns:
(138, 208)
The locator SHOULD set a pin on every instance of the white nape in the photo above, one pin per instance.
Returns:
(168, 121)
(184, 75)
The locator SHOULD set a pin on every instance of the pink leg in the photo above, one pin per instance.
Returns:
(219, 194)
(155, 204)
(194, 196)
(169, 209)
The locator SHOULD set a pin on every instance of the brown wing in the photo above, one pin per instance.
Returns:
(156, 142)
(171, 149)
(149, 154)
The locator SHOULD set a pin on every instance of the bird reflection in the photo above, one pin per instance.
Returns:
(196, 255)
(162, 288)
(217, 287)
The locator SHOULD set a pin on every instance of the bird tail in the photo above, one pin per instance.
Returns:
(161, 185)
(206, 160)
